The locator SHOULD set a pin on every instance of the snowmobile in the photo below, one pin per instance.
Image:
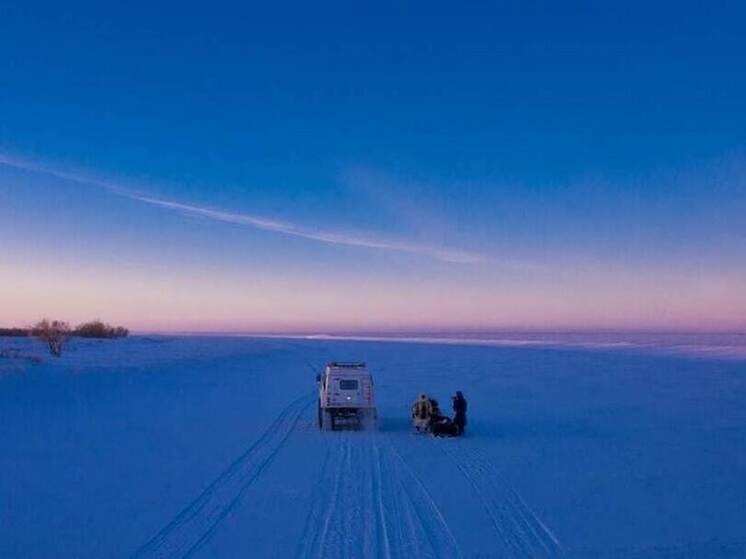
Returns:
(444, 427)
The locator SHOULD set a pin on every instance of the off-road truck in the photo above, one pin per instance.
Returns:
(346, 397)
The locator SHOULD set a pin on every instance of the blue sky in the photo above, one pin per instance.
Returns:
(374, 166)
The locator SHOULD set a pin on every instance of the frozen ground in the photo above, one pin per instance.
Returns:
(169, 447)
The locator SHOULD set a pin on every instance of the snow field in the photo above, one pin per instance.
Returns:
(208, 447)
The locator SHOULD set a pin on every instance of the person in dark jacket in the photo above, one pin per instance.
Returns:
(459, 412)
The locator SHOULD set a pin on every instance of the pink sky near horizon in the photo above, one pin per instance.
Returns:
(174, 270)
(204, 300)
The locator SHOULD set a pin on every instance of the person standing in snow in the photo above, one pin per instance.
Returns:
(421, 412)
(459, 411)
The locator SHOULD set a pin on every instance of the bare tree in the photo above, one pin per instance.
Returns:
(98, 329)
(54, 333)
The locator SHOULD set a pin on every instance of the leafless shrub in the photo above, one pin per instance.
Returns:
(98, 329)
(54, 333)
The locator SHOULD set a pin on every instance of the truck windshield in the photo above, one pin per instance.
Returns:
(347, 384)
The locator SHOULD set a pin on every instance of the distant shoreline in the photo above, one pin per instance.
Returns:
(731, 345)
(482, 334)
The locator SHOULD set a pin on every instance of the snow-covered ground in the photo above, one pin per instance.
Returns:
(207, 447)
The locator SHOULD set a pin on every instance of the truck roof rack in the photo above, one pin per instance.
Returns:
(347, 364)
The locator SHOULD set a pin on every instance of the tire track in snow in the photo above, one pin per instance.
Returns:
(521, 531)
(424, 511)
(406, 527)
(373, 505)
(347, 520)
(197, 522)
(380, 508)
(318, 526)
(312, 531)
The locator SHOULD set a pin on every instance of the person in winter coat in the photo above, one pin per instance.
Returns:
(422, 411)
(459, 412)
(435, 413)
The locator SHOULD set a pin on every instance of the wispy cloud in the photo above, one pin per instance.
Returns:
(365, 240)
(362, 240)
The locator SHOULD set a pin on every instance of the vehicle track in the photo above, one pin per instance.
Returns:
(197, 522)
(345, 520)
(316, 524)
(371, 504)
(521, 531)
(422, 512)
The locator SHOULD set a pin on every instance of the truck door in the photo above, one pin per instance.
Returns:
(350, 392)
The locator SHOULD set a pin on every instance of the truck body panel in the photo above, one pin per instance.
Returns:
(346, 395)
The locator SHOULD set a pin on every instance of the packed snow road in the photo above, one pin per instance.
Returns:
(370, 504)
(367, 501)
(208, 447)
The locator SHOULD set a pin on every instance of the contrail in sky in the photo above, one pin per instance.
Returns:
(362, 240)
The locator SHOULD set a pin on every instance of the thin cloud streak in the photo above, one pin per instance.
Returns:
(361, 240)
(329, 237)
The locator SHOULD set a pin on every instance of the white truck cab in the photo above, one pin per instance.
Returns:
(346, 397)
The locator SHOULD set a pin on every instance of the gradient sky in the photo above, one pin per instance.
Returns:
(335, 167)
